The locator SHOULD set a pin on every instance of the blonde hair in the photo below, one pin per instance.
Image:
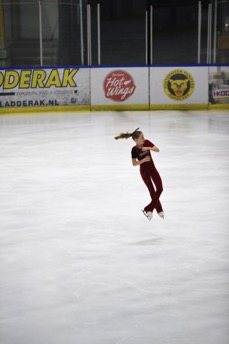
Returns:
(135, 135)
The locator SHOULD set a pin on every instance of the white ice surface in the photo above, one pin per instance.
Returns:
(80, 264)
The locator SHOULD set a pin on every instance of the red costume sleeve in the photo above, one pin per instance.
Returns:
(148, 144)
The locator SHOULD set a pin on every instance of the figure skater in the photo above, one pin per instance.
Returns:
(141, 156)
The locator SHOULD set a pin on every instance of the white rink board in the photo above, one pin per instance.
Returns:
(158, 95)
(218, 83)
(110, 85)
(41, 87)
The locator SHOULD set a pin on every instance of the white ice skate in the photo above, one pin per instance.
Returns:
(162, 214)
(148, 214)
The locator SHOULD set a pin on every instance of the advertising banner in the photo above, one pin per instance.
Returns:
(44, 87)
(219, 85)
(178, 86)
(120, 88)
(123, 88)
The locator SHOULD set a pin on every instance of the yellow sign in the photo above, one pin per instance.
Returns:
(37, 78)
(179, 85)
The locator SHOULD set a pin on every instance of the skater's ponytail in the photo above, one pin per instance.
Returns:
(135, 135)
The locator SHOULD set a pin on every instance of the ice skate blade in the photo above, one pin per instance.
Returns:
(146, 215)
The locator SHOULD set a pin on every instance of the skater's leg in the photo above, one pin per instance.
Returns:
(159, 188)
(151, 189)
(158, 207)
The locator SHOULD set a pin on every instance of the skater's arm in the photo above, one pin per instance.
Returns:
(154, 148)
(136, 162)
(150, 146)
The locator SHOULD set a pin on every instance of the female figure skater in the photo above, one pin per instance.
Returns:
(141, 156)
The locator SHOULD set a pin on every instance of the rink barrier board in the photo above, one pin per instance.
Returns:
(79, 109)
(127, 107)
(74, 108)
(160, 107)
(45, 109)
(218, 107)
(179, 86)
(148, 89)
(179, 107)
(120, 88)
(45, 87)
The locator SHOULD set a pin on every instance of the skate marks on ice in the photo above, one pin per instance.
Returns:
(147, 242)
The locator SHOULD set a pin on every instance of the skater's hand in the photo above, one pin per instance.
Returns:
(154, 148)
(146, 159)
(144, 149)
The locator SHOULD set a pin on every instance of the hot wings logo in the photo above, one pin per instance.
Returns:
(118, 85)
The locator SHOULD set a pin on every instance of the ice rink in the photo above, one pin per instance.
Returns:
(79, 262)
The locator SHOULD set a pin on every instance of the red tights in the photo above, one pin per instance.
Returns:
(150, 177)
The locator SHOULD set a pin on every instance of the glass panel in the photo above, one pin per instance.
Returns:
(176, 34)
(122, 32)
(61, 39)
(222, 42)
(22, 32)
(68, 42)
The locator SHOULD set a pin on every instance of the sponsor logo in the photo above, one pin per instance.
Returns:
(37, 78)
(118, 86)
(26, 103)
(38, 87)
(179, 85)
(221, 93)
